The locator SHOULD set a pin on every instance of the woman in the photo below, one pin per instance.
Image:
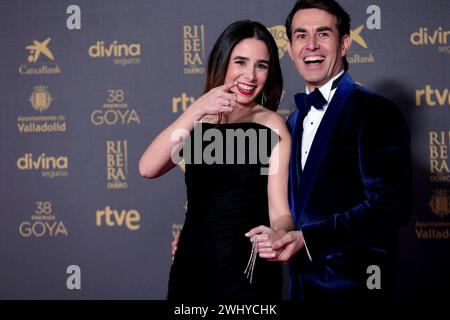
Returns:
(227, 197)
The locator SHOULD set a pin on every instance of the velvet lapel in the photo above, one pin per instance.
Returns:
(295, 169)
(320, 143)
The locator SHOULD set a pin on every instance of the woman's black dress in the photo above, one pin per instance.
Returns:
(225, 200)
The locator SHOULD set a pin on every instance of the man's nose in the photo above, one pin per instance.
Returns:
(312, 43)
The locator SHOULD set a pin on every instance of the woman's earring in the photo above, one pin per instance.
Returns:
(263, 98)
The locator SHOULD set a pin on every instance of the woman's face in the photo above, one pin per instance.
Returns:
(249, 67)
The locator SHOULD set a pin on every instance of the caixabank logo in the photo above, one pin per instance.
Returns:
(40, 120)
(436, 38)
(119, 53)
(43, 223)
(40, 59)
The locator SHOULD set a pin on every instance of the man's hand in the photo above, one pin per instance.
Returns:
(288, 246)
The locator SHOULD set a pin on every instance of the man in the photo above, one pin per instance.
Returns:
(350, 172)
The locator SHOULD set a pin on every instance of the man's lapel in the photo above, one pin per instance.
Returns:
(320, 142)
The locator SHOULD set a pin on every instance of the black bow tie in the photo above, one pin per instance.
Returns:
(305, 101)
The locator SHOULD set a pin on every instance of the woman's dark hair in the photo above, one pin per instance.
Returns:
(219, 59)
(330, 6)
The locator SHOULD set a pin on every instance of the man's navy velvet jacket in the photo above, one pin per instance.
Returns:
(352, 196)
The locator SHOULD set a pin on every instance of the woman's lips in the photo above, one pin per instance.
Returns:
(246, 89)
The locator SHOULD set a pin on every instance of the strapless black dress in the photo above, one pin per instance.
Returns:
(225, 200)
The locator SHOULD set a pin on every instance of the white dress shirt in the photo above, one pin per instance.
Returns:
(314, 117)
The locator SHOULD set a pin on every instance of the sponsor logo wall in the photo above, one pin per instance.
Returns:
(85, 87)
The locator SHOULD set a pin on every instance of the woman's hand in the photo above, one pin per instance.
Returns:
(217, 100)
(265, 237)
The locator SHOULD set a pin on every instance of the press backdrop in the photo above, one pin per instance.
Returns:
(85, 86)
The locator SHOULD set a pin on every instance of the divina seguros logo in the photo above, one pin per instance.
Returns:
(438, 38)
(50, 166)
(121, 53)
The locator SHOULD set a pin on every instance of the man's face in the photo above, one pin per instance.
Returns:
(316, 48)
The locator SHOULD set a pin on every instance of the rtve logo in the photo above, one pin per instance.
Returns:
(183, 101)
(111, 218)
(430, 97)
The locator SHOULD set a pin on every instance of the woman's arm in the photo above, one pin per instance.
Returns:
(277, 188)
(157, 158)
(279, 213)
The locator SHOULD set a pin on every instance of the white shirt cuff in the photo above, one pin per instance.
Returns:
(306, 247)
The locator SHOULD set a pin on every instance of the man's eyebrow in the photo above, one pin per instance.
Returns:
(299, 30)
(319, 29)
